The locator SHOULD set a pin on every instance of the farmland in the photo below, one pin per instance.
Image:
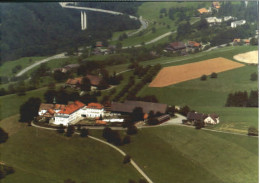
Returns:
(175, 74)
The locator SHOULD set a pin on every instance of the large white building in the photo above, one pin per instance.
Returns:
(71, 113)
(237, 23)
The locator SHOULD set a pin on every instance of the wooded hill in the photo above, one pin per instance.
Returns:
(30, 29)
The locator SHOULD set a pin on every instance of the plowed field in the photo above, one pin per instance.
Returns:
(176, 74)
(249, 57)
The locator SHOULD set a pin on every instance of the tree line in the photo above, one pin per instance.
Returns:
(241, 99)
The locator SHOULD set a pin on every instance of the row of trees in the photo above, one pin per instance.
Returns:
(241, 99)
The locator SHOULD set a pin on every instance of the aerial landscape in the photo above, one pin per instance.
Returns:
(129, 92)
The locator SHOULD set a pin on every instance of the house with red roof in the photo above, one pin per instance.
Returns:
(76, 82)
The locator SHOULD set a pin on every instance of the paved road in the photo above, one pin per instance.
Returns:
(112, 146)
(61, 55)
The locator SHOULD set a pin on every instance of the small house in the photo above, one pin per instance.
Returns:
(213, 20)
(237, 23)
(203, 10)
(193, 45)
(212, 119)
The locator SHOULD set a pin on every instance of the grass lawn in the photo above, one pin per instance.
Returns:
(184, 155)
(10, 104)
(6, 68)
(44, 156)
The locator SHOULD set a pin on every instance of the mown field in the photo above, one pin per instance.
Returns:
(210, 95)
(45, 156)
(184, 155)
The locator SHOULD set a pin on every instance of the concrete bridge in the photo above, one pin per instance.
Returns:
(73, 5)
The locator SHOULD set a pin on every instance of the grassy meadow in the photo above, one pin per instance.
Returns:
(45, 156)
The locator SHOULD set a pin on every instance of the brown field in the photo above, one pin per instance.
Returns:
(176, 74)
(249, 57)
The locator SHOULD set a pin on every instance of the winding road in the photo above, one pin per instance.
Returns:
(133, 163)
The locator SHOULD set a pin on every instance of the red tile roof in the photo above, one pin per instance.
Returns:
(203, 10)
(95, 106)
(72, 107)
(194, 43)
(94, 80)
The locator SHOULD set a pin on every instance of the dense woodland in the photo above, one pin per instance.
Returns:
(28, 29)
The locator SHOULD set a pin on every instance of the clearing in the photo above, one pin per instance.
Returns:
(248, 57)
(176, 74)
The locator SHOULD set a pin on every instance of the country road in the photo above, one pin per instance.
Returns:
(133, 163)
(61, 55)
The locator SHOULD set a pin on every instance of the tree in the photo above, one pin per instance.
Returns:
(3, 135)
(127, 159)
(107, 132)
(185, 110)
(85, 84)
(61, 128)
(252, 131)
(142, 181)
(254, 77)
(213, 75)
(137, 114)
(127, 139)
(49, 95)
(199, 124)
(254, 41)
(70, 131)
(131, 130)
(203, 77)
(131, 181)
(29, 109)
(84, 132)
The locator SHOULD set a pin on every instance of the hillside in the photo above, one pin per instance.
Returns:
(28, 29)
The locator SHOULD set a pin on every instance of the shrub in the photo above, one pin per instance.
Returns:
(252, 131)
(127, 139)
(84, 132)
(127, 159)
(3, 136)
(254, 77)
(214, 75)
(131, 130)
(70, 131)
(61, 129)
(203, 77)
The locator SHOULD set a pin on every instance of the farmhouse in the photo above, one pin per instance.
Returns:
(76, 82)
(193, 117)
(129, 106)
(68, 68)
(176, 46)
(216, 5)
(237, 23)
(193, 45)
(203, 10)
(227, 18)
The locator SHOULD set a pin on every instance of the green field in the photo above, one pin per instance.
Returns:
(10, 104)
(44, 156)
(184, 155)
(210, 95)
(6, 68)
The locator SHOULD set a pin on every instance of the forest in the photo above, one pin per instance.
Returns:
(28, 29)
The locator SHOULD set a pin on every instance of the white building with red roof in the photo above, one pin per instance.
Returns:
(70, 113)
(93, 110)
